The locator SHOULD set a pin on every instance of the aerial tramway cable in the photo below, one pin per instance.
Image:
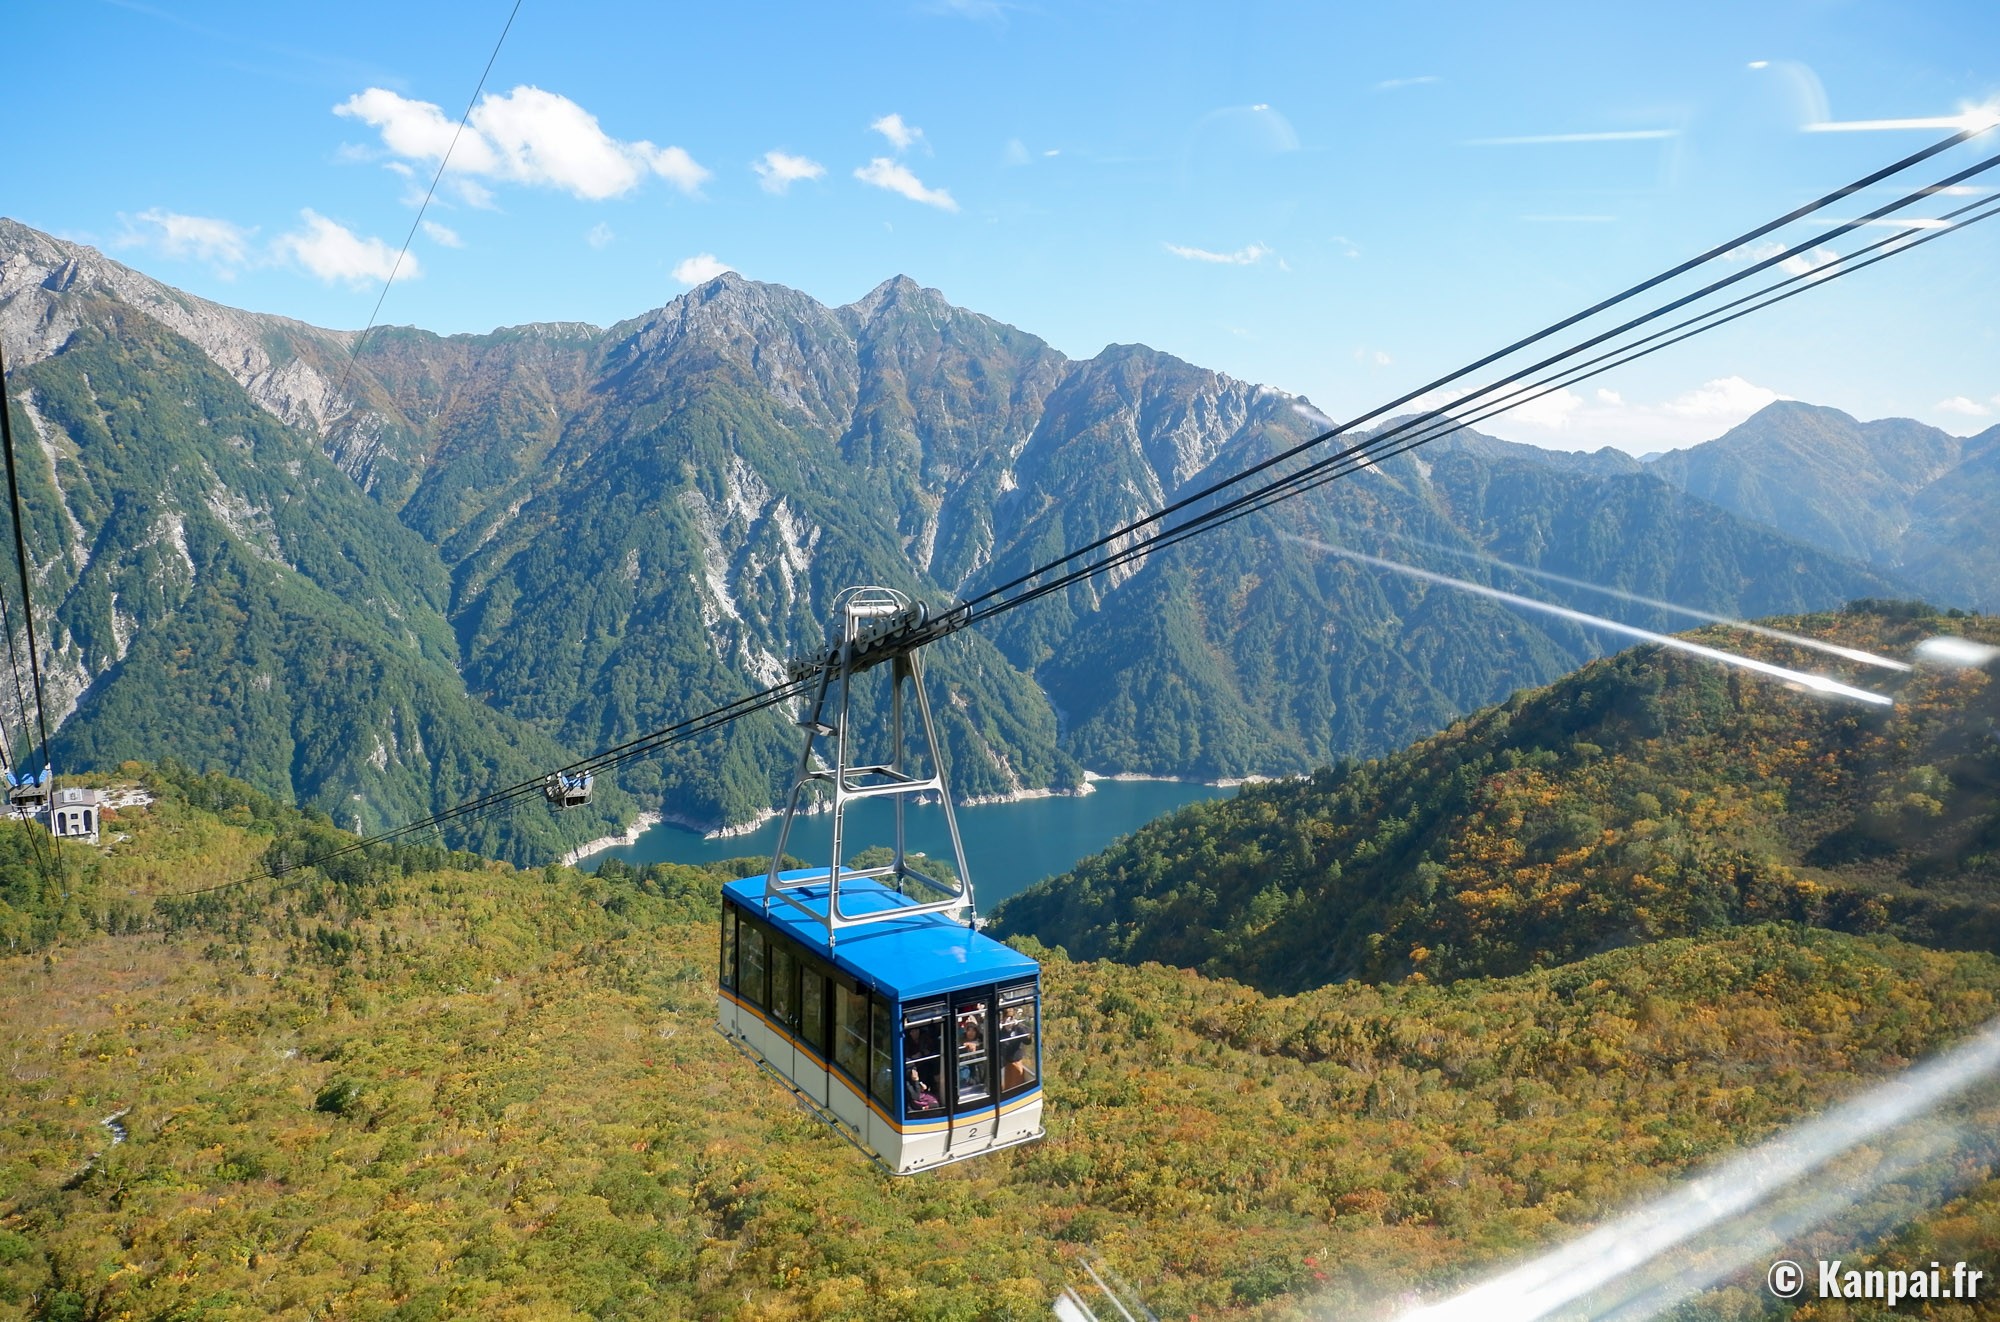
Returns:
(1396, 439)
(60, 875)
(1555, 328)
(354, 349)
(1377, 447)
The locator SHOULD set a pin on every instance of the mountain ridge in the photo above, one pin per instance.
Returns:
(623, 526)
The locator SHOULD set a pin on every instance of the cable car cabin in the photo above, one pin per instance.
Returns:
(917, 1038)
(26, 791)
(566, 791)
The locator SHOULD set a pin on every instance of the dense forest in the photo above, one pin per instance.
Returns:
(1649, 795)
(416, 1084)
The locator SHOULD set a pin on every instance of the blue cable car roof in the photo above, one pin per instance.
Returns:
(922, 955)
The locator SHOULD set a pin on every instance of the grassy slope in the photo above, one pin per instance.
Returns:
(476, 1091)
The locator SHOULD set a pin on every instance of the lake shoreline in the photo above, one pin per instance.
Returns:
(1010, 844)
(641, 824)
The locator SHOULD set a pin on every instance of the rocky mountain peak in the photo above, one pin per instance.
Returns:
(899, 293)
(284, 364)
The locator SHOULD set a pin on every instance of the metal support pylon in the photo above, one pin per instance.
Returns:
(868, 620)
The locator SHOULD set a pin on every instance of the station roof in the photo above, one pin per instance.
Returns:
(921, 955)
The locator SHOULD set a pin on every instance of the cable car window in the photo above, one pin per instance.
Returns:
(923, 1060)
(1017, 1038)
(750, 966)
(812, 1007)
(973, 1080)
(882, 1077)
(850, 1030)
(728, 945)
(784, 984)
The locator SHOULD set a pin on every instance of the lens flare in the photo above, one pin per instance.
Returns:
(1692, 612)
(1804, 679)
(1730, 1196)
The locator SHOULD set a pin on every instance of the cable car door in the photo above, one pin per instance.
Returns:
(971, 1038)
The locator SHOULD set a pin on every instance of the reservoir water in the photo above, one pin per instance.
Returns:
(1008, 846)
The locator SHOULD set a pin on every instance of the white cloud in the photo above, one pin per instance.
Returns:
(526, 136)
(1391, 84)
(1347, 248)
(987, 11)
(333, 252)
(700, 269)
(444, 235)
(1615, 135)
(1970, 408)
(897, 178)
(223, 245)
(779, 171)
(1567, 420)
(1375, 356)
(1803, 263)
(599, 235)
(899, 134)
(1249, 256)
(1016, 152)
(1759, 64)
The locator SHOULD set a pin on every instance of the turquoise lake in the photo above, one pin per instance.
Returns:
(1008, 846)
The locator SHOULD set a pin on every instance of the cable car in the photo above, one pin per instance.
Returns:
(567, 791)
(869, 992)
(26, 791)
(916, 1038)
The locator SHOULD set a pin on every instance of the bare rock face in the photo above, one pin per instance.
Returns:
(290, 369)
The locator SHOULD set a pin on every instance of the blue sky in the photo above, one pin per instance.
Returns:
(1340, 200)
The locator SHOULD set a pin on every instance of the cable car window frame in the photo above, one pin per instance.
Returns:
(753, 982)
(728, 973)
(1021, 996)
(931, 1015)
(848, 992)
(815, 1005)
(971, 1061)
(784, 973)
(881, 1052)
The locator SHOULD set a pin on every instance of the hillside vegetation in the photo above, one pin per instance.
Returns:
(423, 1085)
(1648, 795)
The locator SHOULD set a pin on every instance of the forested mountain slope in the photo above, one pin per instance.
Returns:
(566, 536)
(217, 590)
(1648, 795)
(424, 1085)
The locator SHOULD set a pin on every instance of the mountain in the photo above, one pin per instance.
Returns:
(492, 553)
(215, 589)
(1910, 500)
(428, 1085)
(1649, 795)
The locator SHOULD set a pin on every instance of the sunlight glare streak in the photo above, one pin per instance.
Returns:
(1692, 612)
(1818, 683)
(1566, 1274)
(1947, 650)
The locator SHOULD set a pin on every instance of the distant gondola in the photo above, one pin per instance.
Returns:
(568, 791)
(28, 791)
